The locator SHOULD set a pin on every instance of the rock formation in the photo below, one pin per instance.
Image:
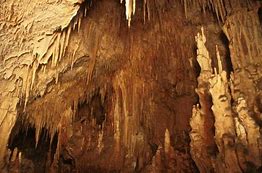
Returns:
(109, 86)
(237, 134)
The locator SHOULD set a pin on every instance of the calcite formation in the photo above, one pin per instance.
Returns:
(100, 86)
(237, 134)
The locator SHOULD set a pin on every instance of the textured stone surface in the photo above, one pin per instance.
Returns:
(237, 123)
(102, 86)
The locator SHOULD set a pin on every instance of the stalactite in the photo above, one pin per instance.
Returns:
(185, 7)
(117, 111)
(22, 75)
(62, 45)
(216, 6)
(130, 9)
(148, 9)
(53, 47)
(144, 10)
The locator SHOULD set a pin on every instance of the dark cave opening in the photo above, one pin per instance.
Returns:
(196, 66)
(87, 124)
(227, 65)
(93, 109)
(35, 157)
(259, 12)
(66, 162)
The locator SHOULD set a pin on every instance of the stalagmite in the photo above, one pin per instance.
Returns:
(14, 155)
(240, 131)
(244, 50)
(253, 135)
(201, 121)
(230, 131)
(219, 62)
(100, 144)
(197, 136)
(224, 123)
(202, 52)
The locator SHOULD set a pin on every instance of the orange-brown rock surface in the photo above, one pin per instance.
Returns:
(109, 86)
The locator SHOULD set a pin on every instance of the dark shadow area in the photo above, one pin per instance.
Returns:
(92, 109)
(196, 66)
(227, 64)
(33, 158)
(260, 15)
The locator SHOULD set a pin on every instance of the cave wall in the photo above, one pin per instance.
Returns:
(113, 96)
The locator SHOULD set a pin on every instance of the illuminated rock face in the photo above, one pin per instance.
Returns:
(102, 86)
(237, 121)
